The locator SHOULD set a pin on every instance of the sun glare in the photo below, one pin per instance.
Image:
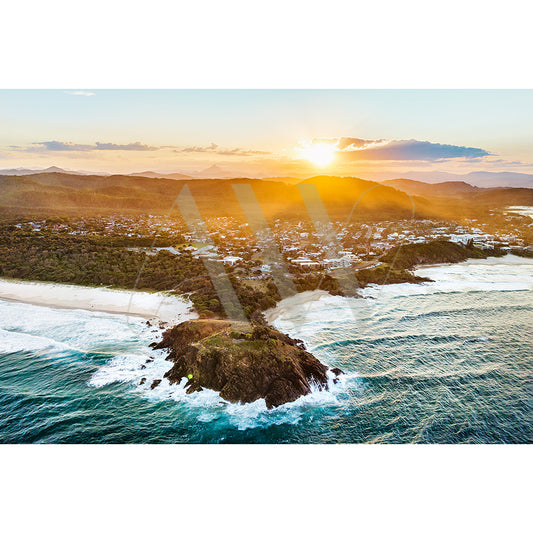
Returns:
(320, 154)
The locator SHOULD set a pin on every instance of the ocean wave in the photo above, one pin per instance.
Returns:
(81, 330)
(207, 405)
(393, 338)
(15, 342)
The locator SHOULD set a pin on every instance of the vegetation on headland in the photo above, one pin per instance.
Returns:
(435, 252)
(523, 253)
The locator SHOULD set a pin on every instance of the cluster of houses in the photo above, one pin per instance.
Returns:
(300, 245)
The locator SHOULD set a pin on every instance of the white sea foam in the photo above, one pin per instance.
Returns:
(507, 273)
(310, 307)
(208, 406)
(11, 341)
(82, 330)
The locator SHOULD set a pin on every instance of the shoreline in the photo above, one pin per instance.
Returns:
(160, 306)
(451, 274)
(166, 308)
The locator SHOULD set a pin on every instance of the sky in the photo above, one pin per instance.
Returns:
(367, 133)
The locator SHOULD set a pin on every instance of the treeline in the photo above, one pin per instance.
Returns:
(433, 252)
(91, 260)
(104, 261)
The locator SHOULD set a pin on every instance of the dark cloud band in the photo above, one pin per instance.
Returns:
(355, 149)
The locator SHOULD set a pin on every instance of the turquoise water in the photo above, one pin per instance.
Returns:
(447, 362)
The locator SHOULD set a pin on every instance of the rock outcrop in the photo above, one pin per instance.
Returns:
(242, 364)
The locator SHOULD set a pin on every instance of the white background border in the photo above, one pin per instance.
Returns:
(275, 44)
(280, 43)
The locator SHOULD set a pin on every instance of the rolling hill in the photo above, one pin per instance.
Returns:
(58, 192)
(477, 179)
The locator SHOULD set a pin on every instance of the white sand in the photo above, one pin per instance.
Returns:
(288, 305)
(150, 305)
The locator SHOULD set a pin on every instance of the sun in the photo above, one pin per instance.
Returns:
(320, 154)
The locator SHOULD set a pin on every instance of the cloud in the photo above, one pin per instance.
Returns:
(242, 151)
(59, 146)
(355, 149)
(79, 93)
(198, 149)
(137, 146)
(215, 149)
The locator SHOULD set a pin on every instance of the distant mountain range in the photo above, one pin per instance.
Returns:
(474, 179)
(29, 171)
(446, 188)
(150, 174)
(477, 179)
(214, 171)
(463, 193)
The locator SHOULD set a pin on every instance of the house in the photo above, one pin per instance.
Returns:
(231, 260)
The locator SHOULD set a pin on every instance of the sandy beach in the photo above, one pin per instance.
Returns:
(150, 305)
(287, 306)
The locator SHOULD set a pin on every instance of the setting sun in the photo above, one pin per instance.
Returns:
(320, 154)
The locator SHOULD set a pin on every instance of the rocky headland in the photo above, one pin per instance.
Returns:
(243, 363)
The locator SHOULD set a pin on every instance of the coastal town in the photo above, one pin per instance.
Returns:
(303, 246)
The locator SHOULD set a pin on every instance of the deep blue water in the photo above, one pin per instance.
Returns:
(448, 362)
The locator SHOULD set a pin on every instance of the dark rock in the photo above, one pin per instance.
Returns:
(264, 364)
(153, 345)
(143, 367)
(337, 372)
(193, 386)
(143, 381)
(155, 383)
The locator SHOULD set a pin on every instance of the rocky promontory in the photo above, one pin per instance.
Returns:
(242, 362)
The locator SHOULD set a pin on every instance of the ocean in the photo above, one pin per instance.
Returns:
(444, 362)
